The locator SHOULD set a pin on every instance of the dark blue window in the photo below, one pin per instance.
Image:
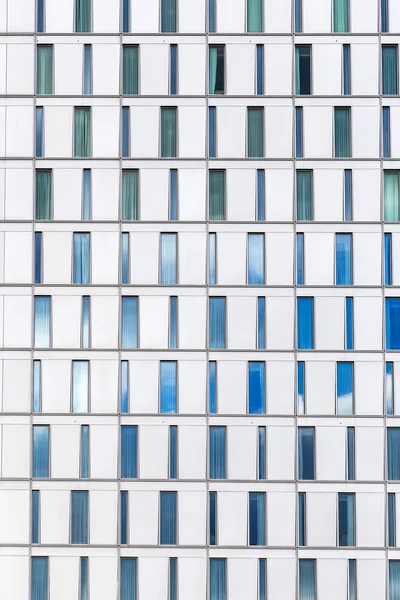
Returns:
(124, 386)
(391, 520)
(213, 386)
(217, 323)
(256, 388)
(38, 257)
(124, 518)
(344, 274)
(389, 388)
(299, 132)
(306, 453)
(125, 16)
(392, 323)
(260, 195)
(384, 16)
(129, 452)
(300, 258)
(168, 518)
(349, 324)
(40, 16)
(40, 451)
(301, 407)
(348, 211)
(211, 16)
(35, 516)
(260, 70)
(305, 310)
(125, 131)
(168, 379)
(344, 377)
(39, 131)
(174, 69)
(346, 520)
(213, 518)
(217, 452)
(261, 323)
(173, 451)
(173, 195)
(298, 17)
(302, 519)
(212, 123)
(351, 457)
(256, 519)
(346, 70)
(386, 131)
(388, 259)
(261, 453)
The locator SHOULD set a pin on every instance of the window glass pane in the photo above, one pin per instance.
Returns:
(349, 323)
(255, 259)
(124, 518)
(40, 451)
(168, 16)
(87, 193)
(35, 516)
(173, 55)
(168, 132)
(298, 16)
(262, 579)
(340, 16)
(217, 323)
(348, 195)
(168, 518)
(256, 519)
(394, 579)
(125, 131)
(213, 518)
(129, 322)
(211, 16)
(38, 257)
(124, 386)
(129, 195)
(80, 386)
(344, 275)
(39, 578)
(168, 377)
(389, 388)
(213, 386)
(40, 16)
(85, 321)
(173, 579)
(84, 578)
(85, 451)
(254, 16)
(43, 195)
(130, 75)
(83, 16)
(168, 258)
(260, 195)
(256, 388)
(299, 132)
(305, 310)
(42, 322)
(173, 451)
(300, 388)
(302, 519)
(212, 114)
(389, 71)
(261, 323)
(39, 131)
(173, 321)
(262, 471)
(217, 579)
(217, 452)
(346, 520)
(128, 452)
(342, 133)
(393, 450)
(384, 16)
(128, 579)
(392, 324)
(81, 258)
(125, 16)
(350, 453)
(87, 70)
(391, 195)
(216, 82)
(386, 131)
(44, 78)
(260, 70)
(392, 521)
(303, 70)
(82, 133)
(352, 580)
(306, 453)
(36, 386)
(346, 70)
(306, 579)
(388, 257)
(300, 258)
(255, 132)
(212, 257)
(173, 195)
(304, 195)
(125, 258)
(217, 195)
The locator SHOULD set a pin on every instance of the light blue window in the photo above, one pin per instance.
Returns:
(386, 131)
(173, 451)
(255, 259)
(85, 322)
(213, 518)
(39, 578)
(349, 324)
(168, 377)
(83, 16)
(125, 16)
(38, 257)
(299, 132)
(255, 132)
(84, 578)
(217, 195)
(305, 318)
(304, 192)
(79, 517)
(39, 131)
(392, 324)
(211, 16)
(346, 70)
(254, 16)
(261, 323)
(173, 195)
(87, 69)
(348, 195)
(216, 75)
(124, 517)
(390, 86)
(340, 16)
(124, 386)
(42, 321)
(128, 584)
(384, 16)
(217, 323)
(130, 195)
(394, 579)
(168, 518)
(260, 70)
(306, 459)
(129, 337)
(87, 194)
(352, 580)
(84, 451)
(40, 16)
(262, 471)
(344, 275)
(256, 519)
(346, 520)
(393, 451)
(128, 452)
(262, 579)
(301, 399)
(217, 579)
(212, 257)
(212, 131)
(125, 258)
(44, 77)
(81, 258)
(43, 195)
(342, 132)
(82, 142)
(391, 195)
(300, 258)
(298, 16)
(212, 366)
(261, 195)
(351, 456)
(306, 579)
(302, 519)
(168, 16)
(80, 386)
(389, 389)
(173, 58)
(388, 259)
(303, 70)
(217, 452)
(256, 390)
(173, 322)
(37, 386)
(168, 132)
(125, 132)
(344, 388)
(173, 577)
(391, 520)
(35, 516)
(168, 258)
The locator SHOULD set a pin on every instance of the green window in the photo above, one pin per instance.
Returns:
(254, 16)
(83, 16)
(340, 16)
(130, 70)
(217, 195)
(44, 83)
(255, 132)
(168, 132)
(43, 195)
(129, 195)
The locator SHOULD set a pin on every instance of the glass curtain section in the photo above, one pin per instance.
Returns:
(85, 343)
(389, 389)
(128, 452)
(84, 451)
(168, 380)
(38, 257)
(80, 386)
(173, 451)
(40, 16)
(304, 195)
(344, 275)
(36, 386)
(256, 519)
(124, 386)
(168, 16)
(173, 68)
(173, 194)
(384, 16)
(39, 578)
(393, 451)
(44, 80)
(212, 113)
(84, 578)
(42, 322)
(125, 132)
(340, 16)
(306, 579)
(352, 580)
(217, 323)
(129, 335)
(168, 132)
(173, 322)
(388, 258)
(212, 366)
(261, 323)
(168, 518)
(212, 258)
(216, 71)
(298, 17)
(302, 519)
(168, 258)
(213, 517)
(79, 517)
(125, 16)
(125, 258)
(386, 131)
(211, 16)
(342, 133)
(81, 258)
(260, 70)
(346, 70)
(124, 518)
(256, 379)
(217, 195)
(391, 195)
(128, 579)
(349, 324)
(130, 76)
(344, 389)
(43, 195)
(389, 71)
(83, 16)
(40, 451)
(394, 579)
(305, 334)
(306, 453)
(173, 587)
(299, 132)
(39, 131)
(87, 194)
(348, 195)
(301, 398)
(255, 259)
(392, 324)
(255, 132)
(351, 454)
(254, 16)
(300, 258)
(217, 579)
(391, 520)
(262, 469)
(35, 516)
(217, 452)
(87, 69)
(129, 195)
(303, 70)
(262, 579)
(346, 520)
(260, 195)
(82, 132)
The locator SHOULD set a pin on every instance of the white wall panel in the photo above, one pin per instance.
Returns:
(278, 60)
(281, 452)
(192, 399)
(279, 249)
(143, 517)
(191, 17)
(58, 132)
(318, 131)
(231, 387)
(281, 577)
(145, 17)
(368, 378)
(154, 321)
(364, 68)
(241, 452)
(64, 578)
(68, 75)
(17, 186)
(192, 258)
(16, 385)
(192, 451)
(317, 16)
(242, 578)
(19, 127)
(371, 575)
(328, 187)
(321, 519)
(280, 387)
(14, 573)
(241, 194)
(278, 131)
(143, 248)
(191, 131)
(366, 194)
(54, 511)
(18, 257)
(105, 194)
(327, 58)
(232, 518)
(59, 16)
(103, 578)
(67, 201)
(192, 195)
(370, 531)
(241, 310)
(320, 387)
(17, 321)
(105, 17)
(155, 68)
(56, 382)
(143, 386)
(16, 446)
(65, 465)
(230, 16)
(279, 184)
(21, 16)
(240, 69)
(332, 578)
(153, 451)
(104, 386)
(20, 59)
(365, 140)
(364, 16)
(192, 532)
(151, 586)
(370, 445)
(103, 517)
(192, 322)
(281, 518)
(319, 258)
(154, 194)
(367, 258)
(14, 516)
(367, 323)
(330, 466)
(105, 131)
(104, 321)
(192, 580)
(67, 319)
(231, 141)
(329, 323)
(103, 452)
(231, 258)
(280, 319)
(144, 120)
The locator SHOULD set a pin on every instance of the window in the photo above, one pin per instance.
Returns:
(384, 16)
(85, 338)
(389, 71)
(83, 16)
(126, 9)
(217, 579)
(217, 452)
(84, 575)
(173, 586)
(262, 579)
(212, 258)
(352, 579)
(342, 133)
(388, 258)
(213, 518)
(168, 16)
(300, 258)
(39, 131)
(168, 518)
(349, 324)
(303, 70)
(168, 132)
(212, 373)
(80, 386)
(305, 318)
(260, 70)
(42, 321)
(87, 69)
(173, 69)
(35, 516)
(255, 258)
(40, 451)
(38, 257)
(301, 398)
(211, 16)
(79, 517)
(340, 16)
(130, 74)
(212, 125)
(128, 582)
(394, 579)
(386, 131)
(217, 323)
(391, 195)
(43, 195)
(128, 452)
(168, 258)
(40, 16)
(299, 132)
(82, 143)
(173, 194)
(124, 386)
(306, 579)
(84, 451)
(124, 518)
(129, 195)
(302, 519)
(129, 337)
(87, 194)
(351, 461)
(389, 389)
(260, 195)
(173, 451)
(44, 78)
(391, 520)
(125, 131)
(304, 180)
(298, 16)
(306, 453)
(256, 389)
(216, 82)
(173, 322)
(346, 70)
(217, 195)
(125, 258)
(344, 274)
(256, 519)
(261, 323)
(346, 525)
(255, 132)
(168, 378)
(348, 195)
(254, 16)
(37, 387)
(392, 323)
(262, 471)
(393, 450)
(39, 578)
(81, 258)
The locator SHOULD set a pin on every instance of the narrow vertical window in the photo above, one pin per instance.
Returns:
(393, 453)
(212, 127)
(217, 323)
(81, 272)
(346, 70)
(40, 16)
(39, 131)
(37, 386)
(260, 70)
(168, 132)
(173, 195)
(82, 144)
(256, 388)
(262, 470)
(212, 258)
(307, 579)
(261, 195)
(212, 373)
(349, 324)
(261, 323)
(305, 319)
(83, 16)
(168, 379)
(42, 322)
(128, 452)
(384, 16)
(303, 70)
(344, 271)
(351, 457)
(173, 322)
(300, 258)
(129, 195)
(124, 386)
(256, 519)
(388, 259)
(35, 516)
(85, 343)
(129, 336)
(173, 451)
(255, 258)
(125, 132)
(389, 389)
(213, 518)
(87, 69)
(254, 16)
(262, 579)
(301, 399)
(306, 459)
(84, 574)
(390, 85)
(298, 16)
(87, 194)
(39, 578)
(394, 579)
(125, 259)
(346, 526)
(80, 386)
(348, 194)
(217, 195)
(128, 583)
(217, 452)
(168, 518)
(168, 258)
(130, 70)
(168, 16)
(386, 131)
(302, 519)
(304, 192)
(342, 132)
(43, 195)
(340, 16)
(391, 195)
(173, 576)
(217, 579)
(44, 80)
(84, 451)
(38, 257)
(40, 451)
(352, 580)
(79, 517)
(216, 82)
(299, 132)
(255, 132)
(124, 518)
(126, 9)
(391, 520)
(173, 66)
(211, 16)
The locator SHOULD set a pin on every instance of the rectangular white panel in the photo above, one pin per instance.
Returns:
(153, 451)
(143, 386)
(321, 519)
(368, 386)
(18, 257)
(321, 271)
(240, 69)
(143, 517)
(329, 323)
(241, 452)
(231, 141)
(17, 385)
(367, 258)
(154, 320)
(154, 189)
(370, 532)
(327, 58)
(280, 320)
(144, 257)
(56, 385)
(54, 512)
(64, 578)
(192, 451)
(280, 387)
(328, 188)
(104, 321)
(231, 258)
(365, 68)
(103, 451)
(192, 399)
(365, 140)
(278, 131)
(368, 323)
(232, 518)
(332, 578)
(242, 578)
(281, 517)
(318, 131)
(144, 121)
(241, 310)
(371, 574)
(104, 386)
(280, 452)
(192, 69)
(105, 131)
(65, 465)
(370, 444)
(103, 517)
(192, 532)
(154, 69)
(231, 387)
(279, 249)
(67, 319)
(191, 131)
(241, 194)
(331, 466)
(320, 387)
(192, 322)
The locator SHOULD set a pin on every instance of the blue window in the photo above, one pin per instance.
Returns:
(40, 451)
(344, 388)
(301, 399)
(128, 452)
(300, 258)
(40, 16)
(87, 194)
(351, 457)
(80, 386)
(391, 520)
(35, 516)
(386, 132)
(349, 324)
(213, 518)
(302, 519)
(173, 451)
(217, 323)
(216, 75)
(299, 132)
(124, 386)
(262, 471)
(389, 389)
(128, 582)
(256, 519)
(129, 322)
(79, 517)
(256, 388)
(298, 16)
(306, 453)
(168, 518)
(125, 132)
(212, 131)
(305, 318)
(303, 70)
(84, 451)
(40, 578)
(346, 70)
(344, 275)
(306, 579)
(255, 259)
(173, 83)
(87, 69)
(346, 520)
(262, 579)
(217, 452)
(42, 322)
(38, 257)
(173, 195)
(212, 257)
(390, 85)
(168, 376)
(37, 386)
(173, 586)
(84, 584)
(125, 16)
(392, 324)
(388, 259)
(348, 195)
(261, 195)
(173, 322)
(212, 366)
(352, 579)
(217, 579)
(260, 70)
(81, 258)
(384, 16)
(394, 579)
(211, 16)
(261, 323)
(39, 131)
(168, 258)
(124, 518)
(125, 258)
(393, 453)
(85, 343)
